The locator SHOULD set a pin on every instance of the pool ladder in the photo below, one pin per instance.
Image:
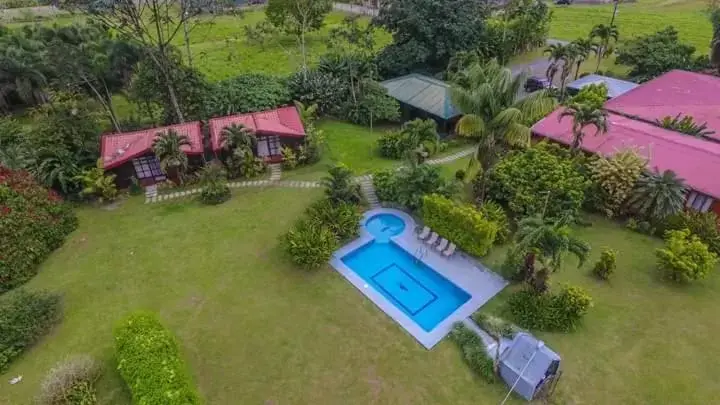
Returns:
(420, 252)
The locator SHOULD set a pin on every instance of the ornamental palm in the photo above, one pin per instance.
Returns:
(238, 136)
(551, 239)
(605, 33)
(686, 125)
(494, 116)
(556, 54)
(168, 149)
(657, 196)
(583, 49)
(584, 115)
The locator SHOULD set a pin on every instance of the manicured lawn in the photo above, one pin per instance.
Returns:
(642, 17)
(254, 329)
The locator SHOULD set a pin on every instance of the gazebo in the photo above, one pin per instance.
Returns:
(424, 97)
(527, 365)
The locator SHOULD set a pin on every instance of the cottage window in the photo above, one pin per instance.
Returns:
(148, 167)
(698, 202)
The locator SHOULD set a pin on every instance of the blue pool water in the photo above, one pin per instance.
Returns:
(417, 290)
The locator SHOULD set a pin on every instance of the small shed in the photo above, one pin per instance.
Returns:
(616, 87)
(424, 97)
(527, 364)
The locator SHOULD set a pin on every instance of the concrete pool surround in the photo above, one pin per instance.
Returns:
(463, 272)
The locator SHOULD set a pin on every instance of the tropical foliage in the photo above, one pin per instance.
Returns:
(494, 116)
(474, 354)
(343, 219)
(685, 125)
(246, 93)
(71, 382)
(493, 212)
(213, 180)
(685, 257)
(461, 224)
(96, 184)
(167, 146)
(549, 241)
(25, 317)
(606, 36)
(614, 178)
(552, 311)
(33, 223)
(535, 181)
(150, 362)
(657, 196)
(310, 243)
(417, 139)
(238, 143)
(606, 266)
(584, 115)
(704, 225)
(340, 187)
(408, 185)
(593, 95)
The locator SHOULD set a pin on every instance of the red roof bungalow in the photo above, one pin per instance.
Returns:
(130, 154)
(630, 125)
(274, 129)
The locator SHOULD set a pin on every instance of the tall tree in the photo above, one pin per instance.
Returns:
(298, 17)
(494, 116)
(583, 46)
(584, 115)
(605, 34)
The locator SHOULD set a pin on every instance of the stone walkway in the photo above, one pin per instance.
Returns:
(365, 181)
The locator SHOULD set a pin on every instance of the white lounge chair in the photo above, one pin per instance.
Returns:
(450, 250)
(442, 245)
(433, 238)
(424, 233)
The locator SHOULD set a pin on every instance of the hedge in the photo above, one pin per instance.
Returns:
(460, 224)
(33, 222)
(149, 361)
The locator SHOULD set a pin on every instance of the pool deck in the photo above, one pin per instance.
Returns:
(464, 271)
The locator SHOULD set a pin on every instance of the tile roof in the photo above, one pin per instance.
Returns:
(284, 121)
(694, 160)
(116, 149)
(677, 91)
(422, 92)
(616, 87)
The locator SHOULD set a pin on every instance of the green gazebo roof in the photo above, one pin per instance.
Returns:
(424, 93)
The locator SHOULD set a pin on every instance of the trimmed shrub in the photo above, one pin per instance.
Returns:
(342, 219)
(685, 257)
(246, 93)
(392, 144)
(474, 353)
(534, 180)
(495, 213)
(71, 382)
(310, 244)
(605, 267)
(560, 311)
(33, 222)
(461, 224)
(150, 362)
(704, 225)
(24, 318)
(529, 310)
(408, 185)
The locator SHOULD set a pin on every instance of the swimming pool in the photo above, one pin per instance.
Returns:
(412, 286)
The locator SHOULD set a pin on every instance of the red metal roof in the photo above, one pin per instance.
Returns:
(116, 149)
(677, 91)
(694, 160)
(284, 121)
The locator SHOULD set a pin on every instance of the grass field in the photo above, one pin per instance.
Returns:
(641, 17)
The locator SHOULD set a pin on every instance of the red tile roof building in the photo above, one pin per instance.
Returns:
(631, 125)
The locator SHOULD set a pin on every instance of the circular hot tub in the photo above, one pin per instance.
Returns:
(384, 226)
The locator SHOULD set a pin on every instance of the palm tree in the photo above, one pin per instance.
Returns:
(686, 125)
(308, 113)
(715, 43)
(551, 240)
(605, 33)
(237, 136)
(556, 54)
(584, 115)
(657, 196)
(584, 47)
(494, 116)
(168, 149)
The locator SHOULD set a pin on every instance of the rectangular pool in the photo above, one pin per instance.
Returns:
(417, 290)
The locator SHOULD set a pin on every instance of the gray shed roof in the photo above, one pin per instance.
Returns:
(422, 92)
(520, 352)
(616, 87)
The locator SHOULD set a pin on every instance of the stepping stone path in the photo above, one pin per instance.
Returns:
(275, 171)
(368, 190)
(450, 158)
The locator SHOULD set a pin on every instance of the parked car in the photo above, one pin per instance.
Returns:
(535, 83)
(563, 2)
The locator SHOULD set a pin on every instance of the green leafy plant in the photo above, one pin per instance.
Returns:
(568, 307)
(461, 224)
(686, 125)
(685, 257)
(342, 218)
(135, 187)
(584, 115)
(24, 318)
(552, 240)
(497, 327)
(168, 149)
(316, 87)
(33, 222)
(605, 267)
(290, 159)
(95, 183)
(246, 93)
(593, 95)
(408, 185)
(495, 213)
(150, 362)
(213, 180)
(340, 187)
(474, 354)
(534, 181)
(615, 178)
(417, 136)
(310, 244)
(657, 196)
(312, 148)
(704, 225)
(71, 382)
(560, 311)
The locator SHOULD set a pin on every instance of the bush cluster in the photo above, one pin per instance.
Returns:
(213, 179)
(408, 185)
(416, 135)
(534, 181)
(495, 213)
(495, 326)
(614, 178)
(551, 311)
(246, 93)
(150, 362)
(474, 353)
(33, 222)
(685, 257)
(71, 382)
(605, 267)
(461, 224)
(24, 318)
(704, 225)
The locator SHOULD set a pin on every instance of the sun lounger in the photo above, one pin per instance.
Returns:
(442, 245)
(433, 238)
(450, 250)
(424, 233)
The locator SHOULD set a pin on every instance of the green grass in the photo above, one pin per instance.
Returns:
(633, 19)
